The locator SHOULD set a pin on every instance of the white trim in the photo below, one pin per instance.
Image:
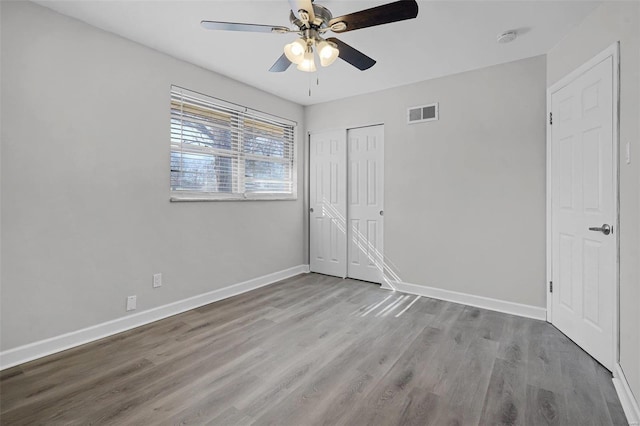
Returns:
(503, 306)
(31, 351)
(627, 400)
(386, 284)
(345, 128)
(549, 244)
(612, 51)
(253, 197)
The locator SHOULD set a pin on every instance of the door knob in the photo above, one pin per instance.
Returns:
(310, 209)
(605, 229)
(381, 212)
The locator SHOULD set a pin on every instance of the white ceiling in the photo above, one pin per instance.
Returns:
(447, 37)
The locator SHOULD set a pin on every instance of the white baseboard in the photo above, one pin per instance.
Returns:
(513, 308)
(31, 351)
(627, 400)
(387, 284)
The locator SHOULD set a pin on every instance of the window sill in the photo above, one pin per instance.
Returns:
(188, 199)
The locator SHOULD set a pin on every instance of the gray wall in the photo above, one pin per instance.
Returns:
(86, 218)
(611, 22)
(465, 195)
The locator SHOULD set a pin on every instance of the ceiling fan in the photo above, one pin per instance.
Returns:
(312, 22)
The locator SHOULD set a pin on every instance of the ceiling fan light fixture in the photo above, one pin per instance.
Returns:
(328, 53)
(308, 64)
(295, 51)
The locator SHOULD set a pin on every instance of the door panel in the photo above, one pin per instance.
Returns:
(328, 202)
(366, 178)
(583, 196)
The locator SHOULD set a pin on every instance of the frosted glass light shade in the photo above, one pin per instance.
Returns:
(327, 52)
(295, 51)
(308, 64)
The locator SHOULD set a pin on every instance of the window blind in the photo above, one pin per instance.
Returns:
(221, 150)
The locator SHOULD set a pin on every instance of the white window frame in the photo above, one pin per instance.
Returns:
(239, 157)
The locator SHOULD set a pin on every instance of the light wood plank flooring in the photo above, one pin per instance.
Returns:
(316, 350)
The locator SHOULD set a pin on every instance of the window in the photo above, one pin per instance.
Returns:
(221, 150)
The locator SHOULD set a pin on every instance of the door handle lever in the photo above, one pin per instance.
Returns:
(605, 229)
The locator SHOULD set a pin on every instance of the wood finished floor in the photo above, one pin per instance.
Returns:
(319, 350)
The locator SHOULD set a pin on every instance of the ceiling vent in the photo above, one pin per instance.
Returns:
(422, 113)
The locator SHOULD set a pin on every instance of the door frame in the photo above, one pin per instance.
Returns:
(307, 176)
(612, 51)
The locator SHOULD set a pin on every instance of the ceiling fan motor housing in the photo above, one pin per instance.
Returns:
(322, 18)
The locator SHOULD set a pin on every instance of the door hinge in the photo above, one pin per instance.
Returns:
(550, 286)
(550, 118)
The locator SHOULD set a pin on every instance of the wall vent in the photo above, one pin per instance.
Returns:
(422, 113)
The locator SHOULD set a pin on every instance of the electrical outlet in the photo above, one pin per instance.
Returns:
(131, 303)
(157, 280)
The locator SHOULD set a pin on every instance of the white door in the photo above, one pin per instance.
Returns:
(365, 174)
(328, 203)
(583, 186)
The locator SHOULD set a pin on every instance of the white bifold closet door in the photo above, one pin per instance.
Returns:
(346, 203)
(328, 203)
(365, 174)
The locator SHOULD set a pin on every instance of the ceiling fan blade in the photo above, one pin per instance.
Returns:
(352, 56)
(282, 64)
(385, 14)
(237, 26)
(297, 5)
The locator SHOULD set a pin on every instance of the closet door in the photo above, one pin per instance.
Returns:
(365, 203)
(328, 203)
